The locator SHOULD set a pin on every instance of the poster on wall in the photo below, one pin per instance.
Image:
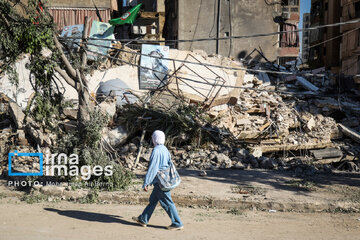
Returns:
(153, 68)
(103, 32)
(75, 32)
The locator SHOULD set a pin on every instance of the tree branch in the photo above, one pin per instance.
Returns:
(67, 78)
(68, 68)
(7, 25)
(84, 41)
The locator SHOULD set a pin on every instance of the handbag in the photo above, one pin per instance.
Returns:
(168, 178)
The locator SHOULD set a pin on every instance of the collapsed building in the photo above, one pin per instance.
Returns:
(246, 114)
(257, 114)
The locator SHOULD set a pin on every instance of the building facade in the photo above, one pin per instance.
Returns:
(198, 19)
(325, 42)
(289, 43)
(350, 44)
(305, 38)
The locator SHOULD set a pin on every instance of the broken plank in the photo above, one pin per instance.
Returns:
(350, 133)
(255, 110)
(293, 147)
(326, 153)
(306, 84)
(262, 128)
(329, 160)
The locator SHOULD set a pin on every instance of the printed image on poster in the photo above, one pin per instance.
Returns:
(74, 31)
(153, 70)
(100, 30)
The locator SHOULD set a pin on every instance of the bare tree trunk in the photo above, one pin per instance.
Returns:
(85, 105)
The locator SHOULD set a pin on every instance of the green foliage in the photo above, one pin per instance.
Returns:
(25, 30)
(92, 129)
(120, 179)
(2, 195)
(304, 185)
(91, 197)
(235, 211)
(87, 145)
(33, 198)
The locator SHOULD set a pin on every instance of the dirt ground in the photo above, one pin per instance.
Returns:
(65, 220)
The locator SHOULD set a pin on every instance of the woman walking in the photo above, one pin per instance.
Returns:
(159, 160)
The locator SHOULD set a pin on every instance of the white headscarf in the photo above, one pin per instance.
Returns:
(158, 137)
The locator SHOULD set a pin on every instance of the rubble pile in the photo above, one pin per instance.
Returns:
(270, 121)
(277, 122)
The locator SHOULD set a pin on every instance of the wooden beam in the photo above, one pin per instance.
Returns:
(327, 153)
(293, 147)
(350, 133)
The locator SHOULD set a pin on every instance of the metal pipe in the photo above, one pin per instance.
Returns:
(218, 26)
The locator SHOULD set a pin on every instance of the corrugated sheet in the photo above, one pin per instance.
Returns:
(74, 16)
(78, 3)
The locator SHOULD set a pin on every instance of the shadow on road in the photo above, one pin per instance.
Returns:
(96, 217)
(276, 179)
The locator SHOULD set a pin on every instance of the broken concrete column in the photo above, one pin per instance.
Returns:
(21, 137)
(306, 84)
(37, 135)
(17, 114)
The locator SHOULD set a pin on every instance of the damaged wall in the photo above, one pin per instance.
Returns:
(247, 18)
(126, 77)
(21, 93)
(327, 52)
(350, 42)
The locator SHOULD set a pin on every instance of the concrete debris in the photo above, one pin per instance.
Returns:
(17, 114)
(108, 106)
(115, 136)
(326, 153)
(70, 113)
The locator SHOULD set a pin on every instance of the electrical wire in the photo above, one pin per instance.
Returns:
(240, 68)
(207, 64)
(200, 82)
(331, 39)
(211, 65)
(235, 37)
